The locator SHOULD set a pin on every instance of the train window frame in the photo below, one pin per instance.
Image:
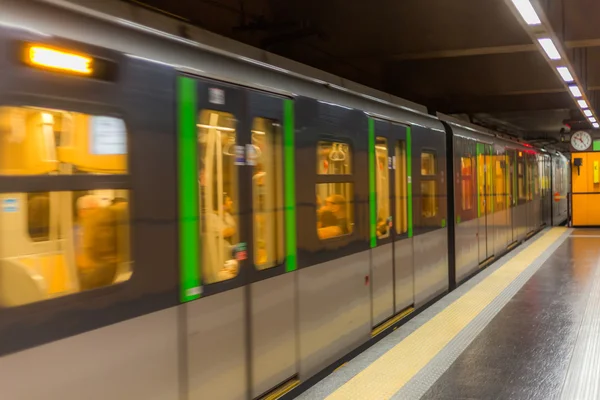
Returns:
(343, 179)
(74, 181)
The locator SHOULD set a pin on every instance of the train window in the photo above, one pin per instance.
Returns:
(36, 264)
(218, 195)
(428, 164)
(401, 191)
(334, 158)
(481, 180)
(536, 176)
(521, 180)
(335, 211)
(531, 177)
(489, 182)
(382, 186)
(428, 199)
(466, 172)
(428, 185)
(267, 193)
(41, 141)
(500, 179)
(511, 179)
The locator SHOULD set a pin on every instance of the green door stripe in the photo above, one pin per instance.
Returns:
(372, 186)
(188, 191)
(291, 262)
(409, 184)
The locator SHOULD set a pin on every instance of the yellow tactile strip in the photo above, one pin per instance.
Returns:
(388, 374)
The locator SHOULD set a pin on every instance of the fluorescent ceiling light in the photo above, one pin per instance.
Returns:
(595, 125)
(565, 74)
(588, 113)
(593, 120)
(527, 12)
(582, 104)
(575, 90)
(550, 48)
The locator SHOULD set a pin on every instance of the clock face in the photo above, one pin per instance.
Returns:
(581, 140)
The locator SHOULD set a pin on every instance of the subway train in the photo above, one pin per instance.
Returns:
(185, 217)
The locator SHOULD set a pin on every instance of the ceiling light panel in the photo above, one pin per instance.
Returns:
(527, 11)
(588, 113)
(565, 74)
(593, 120)
(595, 125)
(582, 104)
(550, 48)
(575, 90)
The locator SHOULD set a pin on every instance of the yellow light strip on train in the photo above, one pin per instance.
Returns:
(48, 58)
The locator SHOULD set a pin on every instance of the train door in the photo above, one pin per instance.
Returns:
(242, 331)
(500, 208)
(273, 359)
(512, 195)
(216, 322)
(529, 189)
(546, 192)
(484, 204)
(391, 273)
(491, 222)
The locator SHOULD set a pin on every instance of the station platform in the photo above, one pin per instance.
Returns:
(527, 327)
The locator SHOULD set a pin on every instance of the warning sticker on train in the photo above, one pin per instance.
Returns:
(10, 205)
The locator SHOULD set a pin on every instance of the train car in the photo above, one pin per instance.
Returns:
(185, 221)
(502, 194)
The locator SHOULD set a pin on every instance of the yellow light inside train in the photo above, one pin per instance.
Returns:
(520, 154)
(59, 60)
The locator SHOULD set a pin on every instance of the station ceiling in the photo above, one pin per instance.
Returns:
(470, 58)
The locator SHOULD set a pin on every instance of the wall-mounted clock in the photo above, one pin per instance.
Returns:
(581, 140)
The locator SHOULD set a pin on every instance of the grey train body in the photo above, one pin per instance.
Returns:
(137, 340)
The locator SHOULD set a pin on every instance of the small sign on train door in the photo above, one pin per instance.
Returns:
(239, 155)
(251, 155)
